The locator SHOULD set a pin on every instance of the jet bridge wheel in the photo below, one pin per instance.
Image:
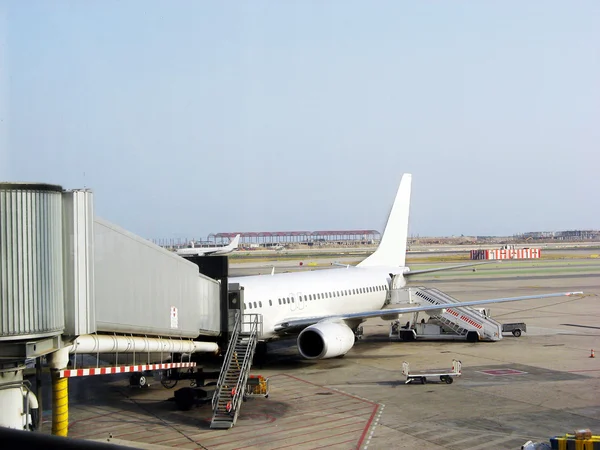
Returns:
(138, 379)
(167, 381)
(446, 379)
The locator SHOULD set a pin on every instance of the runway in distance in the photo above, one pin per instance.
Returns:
(324, 308)
(207, 251)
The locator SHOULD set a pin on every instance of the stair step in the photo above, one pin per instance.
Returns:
(234, 373)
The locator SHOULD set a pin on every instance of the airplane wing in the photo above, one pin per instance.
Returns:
(298, 324)
(439, 269)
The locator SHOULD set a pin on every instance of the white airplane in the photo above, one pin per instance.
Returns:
(324, 308)
(205, 251)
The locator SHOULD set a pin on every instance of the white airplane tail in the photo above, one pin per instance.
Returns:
(392, 248)
(235, 243)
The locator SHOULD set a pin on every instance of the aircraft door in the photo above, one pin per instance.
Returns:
(396, 294)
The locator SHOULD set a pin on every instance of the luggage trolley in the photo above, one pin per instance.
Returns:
(445, 375)
(257, 386)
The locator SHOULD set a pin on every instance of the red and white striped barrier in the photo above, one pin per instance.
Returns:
(464, 318)
(518, 253)
(121, 369)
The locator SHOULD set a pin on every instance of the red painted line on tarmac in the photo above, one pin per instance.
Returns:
(285, 429)
(177, 436)
(364, 434)
(337, 443)
(339, 392)
(75, 422)
(143, 432)
(312, 440)
(332, 403)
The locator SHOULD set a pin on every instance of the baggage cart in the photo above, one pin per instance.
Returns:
(257, 386)
(445, 375)
(515, 328)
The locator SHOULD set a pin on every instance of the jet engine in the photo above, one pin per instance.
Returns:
(325, 340)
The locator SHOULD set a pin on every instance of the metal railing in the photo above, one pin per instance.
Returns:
(247, 326)
(240, 386)
(228, 356)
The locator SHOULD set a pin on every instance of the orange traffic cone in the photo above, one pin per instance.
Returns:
(592, 355)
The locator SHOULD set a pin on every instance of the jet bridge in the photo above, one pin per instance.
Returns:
(446, 323)
(72, 283)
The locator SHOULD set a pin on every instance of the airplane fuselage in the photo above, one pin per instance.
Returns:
(298, 295)
(200, 251)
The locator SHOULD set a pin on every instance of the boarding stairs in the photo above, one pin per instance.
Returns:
(229, 393)
(461, 320)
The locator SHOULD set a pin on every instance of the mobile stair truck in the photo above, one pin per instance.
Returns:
(447, 322)
(446, 376)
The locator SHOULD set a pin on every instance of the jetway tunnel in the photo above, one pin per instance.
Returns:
(71, 282)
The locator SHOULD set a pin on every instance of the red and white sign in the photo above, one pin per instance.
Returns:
(174, 318)
(517, 253)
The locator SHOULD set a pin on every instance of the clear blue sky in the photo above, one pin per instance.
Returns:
(192, 117)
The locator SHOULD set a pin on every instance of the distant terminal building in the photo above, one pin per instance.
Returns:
(568, 235)
(274, 238)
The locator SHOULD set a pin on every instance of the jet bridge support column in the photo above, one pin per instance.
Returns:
(19, 407)
(60, 392)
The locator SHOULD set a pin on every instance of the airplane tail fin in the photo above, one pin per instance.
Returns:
(392, 248)
(234, 244)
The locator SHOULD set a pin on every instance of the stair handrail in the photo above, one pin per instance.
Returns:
(228, 357)
(469, 310)
(246, 363)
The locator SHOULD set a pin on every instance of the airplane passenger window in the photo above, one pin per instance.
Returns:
(288, 301)
(250, 305)
(260, 304)
(255, 305)
(310, 296)
(292, 299)
(270, 303)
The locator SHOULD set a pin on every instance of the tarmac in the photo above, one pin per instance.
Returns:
(518, 389)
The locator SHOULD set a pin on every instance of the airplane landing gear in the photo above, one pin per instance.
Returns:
(358, 333)
(260, 355)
